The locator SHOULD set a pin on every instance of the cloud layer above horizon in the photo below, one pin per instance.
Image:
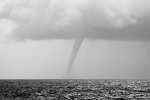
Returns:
(66, 19)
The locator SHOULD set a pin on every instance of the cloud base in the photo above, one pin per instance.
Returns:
(57, 19)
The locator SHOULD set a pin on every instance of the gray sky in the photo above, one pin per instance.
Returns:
(36, 38)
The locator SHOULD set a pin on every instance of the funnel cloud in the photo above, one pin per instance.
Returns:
(73, 55)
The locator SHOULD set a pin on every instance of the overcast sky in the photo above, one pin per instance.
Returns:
(37, 37)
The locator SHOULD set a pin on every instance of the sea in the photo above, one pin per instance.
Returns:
(74, 89)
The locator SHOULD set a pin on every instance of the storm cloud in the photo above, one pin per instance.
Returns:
(67, 19)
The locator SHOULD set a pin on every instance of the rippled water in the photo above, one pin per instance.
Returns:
(74, 89)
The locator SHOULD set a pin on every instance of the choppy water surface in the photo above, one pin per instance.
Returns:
(74, 90)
